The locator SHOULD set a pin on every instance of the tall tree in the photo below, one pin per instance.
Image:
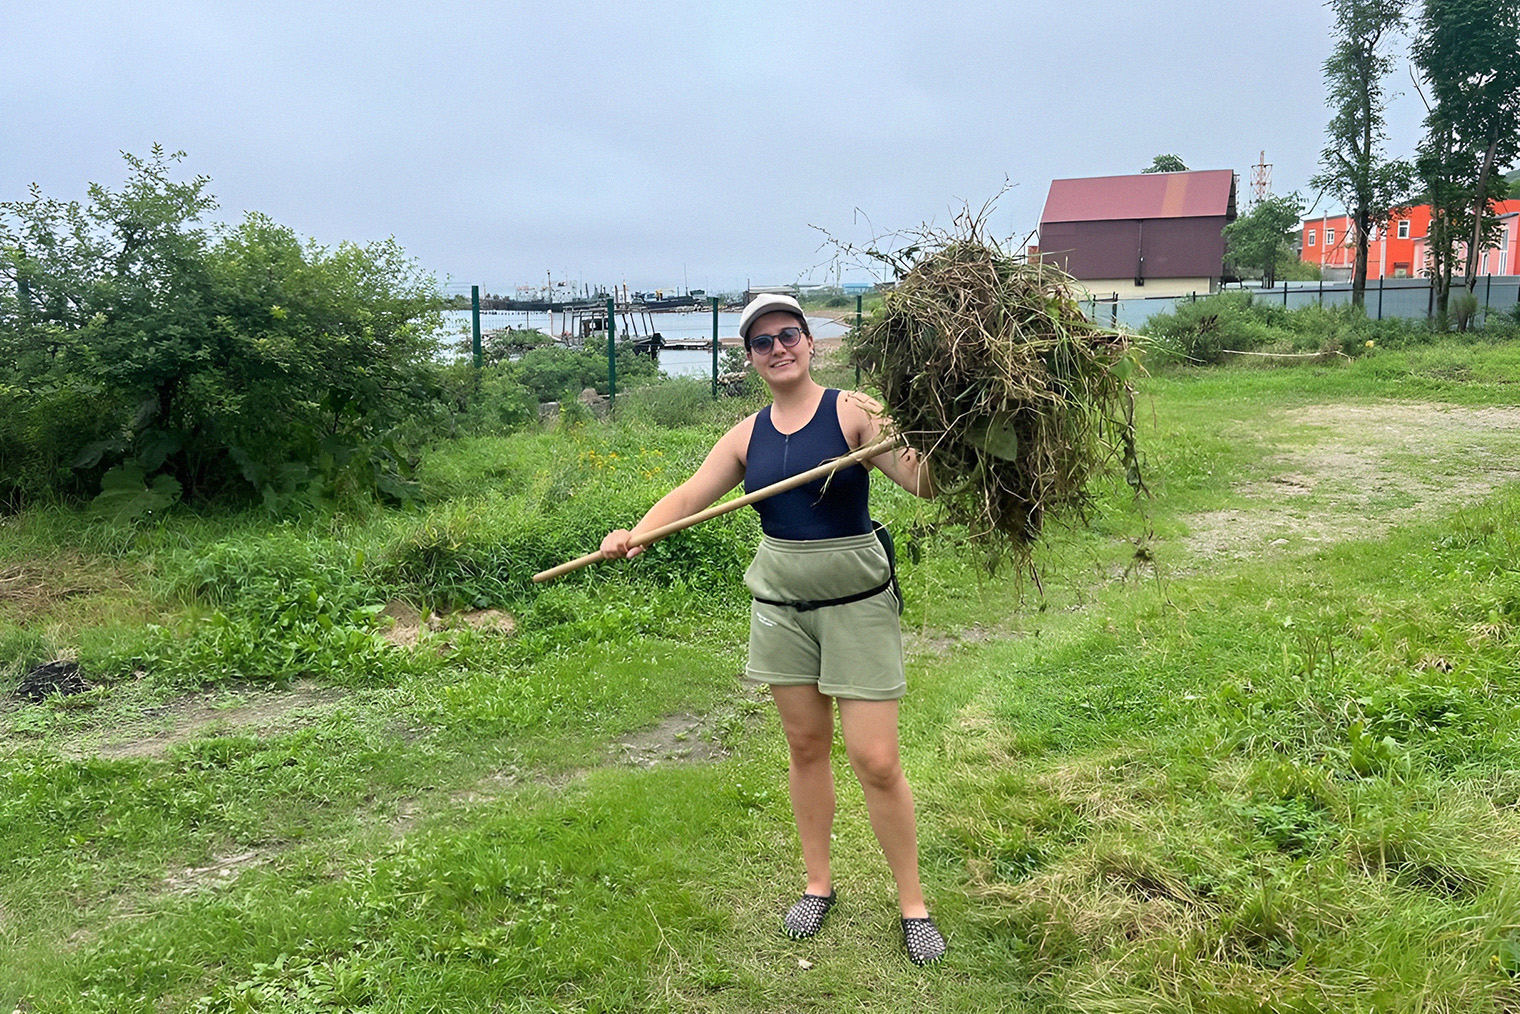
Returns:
(1468, 51)
(1257, 240)
(1354, 168)
(1166, 164)
(1443, 169)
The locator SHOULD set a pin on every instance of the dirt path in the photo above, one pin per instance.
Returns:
(158, 728)
(1356, 471)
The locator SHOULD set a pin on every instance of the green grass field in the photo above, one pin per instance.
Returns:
(1252, 745)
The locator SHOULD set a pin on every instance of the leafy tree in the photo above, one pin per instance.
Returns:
(1468, 52)
(196, 360)
(1166, 164)
(1443, 169)
(1291, 267)
(1355, 169)
(1258, 240)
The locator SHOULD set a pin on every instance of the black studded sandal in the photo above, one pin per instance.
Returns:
(806, 917)
(923, 939)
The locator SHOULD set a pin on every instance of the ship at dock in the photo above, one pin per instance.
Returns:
(564, 298)
(657, 300)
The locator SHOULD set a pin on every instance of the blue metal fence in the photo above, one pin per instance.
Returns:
(1408, 298)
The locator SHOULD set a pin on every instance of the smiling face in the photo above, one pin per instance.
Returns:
(781, 364)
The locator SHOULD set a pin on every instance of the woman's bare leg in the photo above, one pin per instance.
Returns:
(807, 717)
(870, 740)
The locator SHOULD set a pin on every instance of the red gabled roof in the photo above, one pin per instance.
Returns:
(1202, 194)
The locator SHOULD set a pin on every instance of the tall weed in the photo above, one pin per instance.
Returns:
(1204, 331)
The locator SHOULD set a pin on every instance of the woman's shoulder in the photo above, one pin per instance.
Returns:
(859, 399)
(860, 416)
(858, 403)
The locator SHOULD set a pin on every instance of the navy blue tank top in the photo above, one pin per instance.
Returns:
(810, 511)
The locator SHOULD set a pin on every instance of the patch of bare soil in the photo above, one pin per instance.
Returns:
(676, 739)
(941, 642)
(1368, 469)
(680, 737)
(262, 711)
(221, 871)
(508, 779)
(407, 624)
(495, 621)
(32, 587)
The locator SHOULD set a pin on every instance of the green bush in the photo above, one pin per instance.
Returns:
(138, 344)
(678, 402)
(501, 346)
(42, 428)
(491, 400)
(1464, 306)
(558, 374)
(567, 489)
(266, 574)
(1202, 331)
(266, 606)
(485, 552)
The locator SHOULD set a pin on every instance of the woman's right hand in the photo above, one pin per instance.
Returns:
(615, 545)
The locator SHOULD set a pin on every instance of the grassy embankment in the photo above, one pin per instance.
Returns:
(1276, 772)
(840, 307)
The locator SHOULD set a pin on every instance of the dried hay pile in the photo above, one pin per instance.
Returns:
(987, 363)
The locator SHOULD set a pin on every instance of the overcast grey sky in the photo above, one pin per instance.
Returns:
(660, 144)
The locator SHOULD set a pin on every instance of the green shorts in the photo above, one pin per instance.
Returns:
(852, 650)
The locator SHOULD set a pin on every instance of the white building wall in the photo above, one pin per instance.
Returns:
(1104, 288)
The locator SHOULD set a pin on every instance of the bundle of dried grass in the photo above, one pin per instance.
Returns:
(986, 362)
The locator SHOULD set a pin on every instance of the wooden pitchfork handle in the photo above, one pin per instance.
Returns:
(827, 468)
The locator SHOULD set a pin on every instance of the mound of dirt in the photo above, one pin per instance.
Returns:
(408, 623)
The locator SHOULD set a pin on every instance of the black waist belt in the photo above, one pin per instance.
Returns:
(807, 607)
(890, 583)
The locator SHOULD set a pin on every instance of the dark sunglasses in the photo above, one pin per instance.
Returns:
(763, 343)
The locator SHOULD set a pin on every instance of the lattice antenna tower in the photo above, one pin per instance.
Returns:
(1261, 180)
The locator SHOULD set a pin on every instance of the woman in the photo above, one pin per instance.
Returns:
(823, 625)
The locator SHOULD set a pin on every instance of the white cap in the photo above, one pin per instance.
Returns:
(770, 302)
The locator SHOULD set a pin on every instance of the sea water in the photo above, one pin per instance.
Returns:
(674, 325)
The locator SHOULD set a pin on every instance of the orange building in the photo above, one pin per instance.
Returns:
(1397, 248)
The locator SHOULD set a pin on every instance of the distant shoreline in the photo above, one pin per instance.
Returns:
(837, 315)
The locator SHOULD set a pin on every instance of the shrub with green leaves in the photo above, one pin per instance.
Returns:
(485, 552)
(232, 360)
(1205, 330)
(490, 400)
(554, 374)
